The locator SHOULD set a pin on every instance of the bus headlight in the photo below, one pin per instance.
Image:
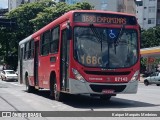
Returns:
(77, 75)
(135, 76)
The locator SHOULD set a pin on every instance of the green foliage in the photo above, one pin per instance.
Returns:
(29, 18)
(150, 37)
(58, 10)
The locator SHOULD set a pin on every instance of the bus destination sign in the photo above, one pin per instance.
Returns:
(104, 18)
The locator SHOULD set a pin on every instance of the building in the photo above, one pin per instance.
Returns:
(148, 13)
(12, 4)
(127, 6)
(3, 11)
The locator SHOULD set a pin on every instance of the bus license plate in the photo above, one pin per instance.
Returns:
(108, 91)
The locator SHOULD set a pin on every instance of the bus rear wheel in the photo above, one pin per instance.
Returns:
(28, 87)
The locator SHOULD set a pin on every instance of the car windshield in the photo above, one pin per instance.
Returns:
(105, 47)
(10, 72)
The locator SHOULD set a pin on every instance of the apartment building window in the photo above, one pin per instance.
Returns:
(151, 20)
(139, 3)
(151, 9)
(158, 21)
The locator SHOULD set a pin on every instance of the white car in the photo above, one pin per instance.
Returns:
(153, 79)
(8, 75)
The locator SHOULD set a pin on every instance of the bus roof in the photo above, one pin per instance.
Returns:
(64, 17)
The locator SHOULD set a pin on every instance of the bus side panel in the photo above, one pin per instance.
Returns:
(28, 70)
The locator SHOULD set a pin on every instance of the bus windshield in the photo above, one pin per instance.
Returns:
(105, 47)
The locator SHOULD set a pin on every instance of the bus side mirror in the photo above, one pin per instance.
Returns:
(69, 31)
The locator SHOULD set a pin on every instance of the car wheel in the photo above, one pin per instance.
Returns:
(158, 84)
(146, 82)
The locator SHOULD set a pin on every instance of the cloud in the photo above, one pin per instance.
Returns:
(3, 3)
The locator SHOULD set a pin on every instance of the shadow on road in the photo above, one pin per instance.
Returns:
(85, 102)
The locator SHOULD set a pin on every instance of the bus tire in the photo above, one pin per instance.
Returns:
(29, 88)
(158, 84)
(105, 97)
(52, 87)
(54, 93)
(58, 96)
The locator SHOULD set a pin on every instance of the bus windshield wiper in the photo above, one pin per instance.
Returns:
(100, 39)
(118, 37)
(96, 33)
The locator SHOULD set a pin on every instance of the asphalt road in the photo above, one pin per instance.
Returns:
(13, 97)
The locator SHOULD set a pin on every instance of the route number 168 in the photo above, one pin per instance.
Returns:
(91, 60)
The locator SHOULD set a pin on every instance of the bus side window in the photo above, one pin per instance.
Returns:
(45, 43)
(54, 43)
(26, 52)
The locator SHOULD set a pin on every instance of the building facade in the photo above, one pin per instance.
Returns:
(127, 6)
(12, 4)
(148, 13)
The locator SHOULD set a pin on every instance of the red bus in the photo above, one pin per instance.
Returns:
(83, 52)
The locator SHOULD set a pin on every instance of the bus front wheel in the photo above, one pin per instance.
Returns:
(54, 93)
(58, 96)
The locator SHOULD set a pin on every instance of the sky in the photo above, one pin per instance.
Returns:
(3, 3)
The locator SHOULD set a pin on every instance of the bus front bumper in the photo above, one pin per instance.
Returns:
(78, 87)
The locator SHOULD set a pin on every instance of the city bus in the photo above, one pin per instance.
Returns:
(87, 52)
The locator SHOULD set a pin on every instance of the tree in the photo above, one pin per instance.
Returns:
(150, 37)
(58, 10)
(29, 18)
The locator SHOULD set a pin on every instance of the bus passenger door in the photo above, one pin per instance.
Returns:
(64, 64)
(36, 53)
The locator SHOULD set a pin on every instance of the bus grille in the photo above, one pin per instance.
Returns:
(116, 88)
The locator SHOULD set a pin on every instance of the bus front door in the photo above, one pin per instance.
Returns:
(64, 61)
